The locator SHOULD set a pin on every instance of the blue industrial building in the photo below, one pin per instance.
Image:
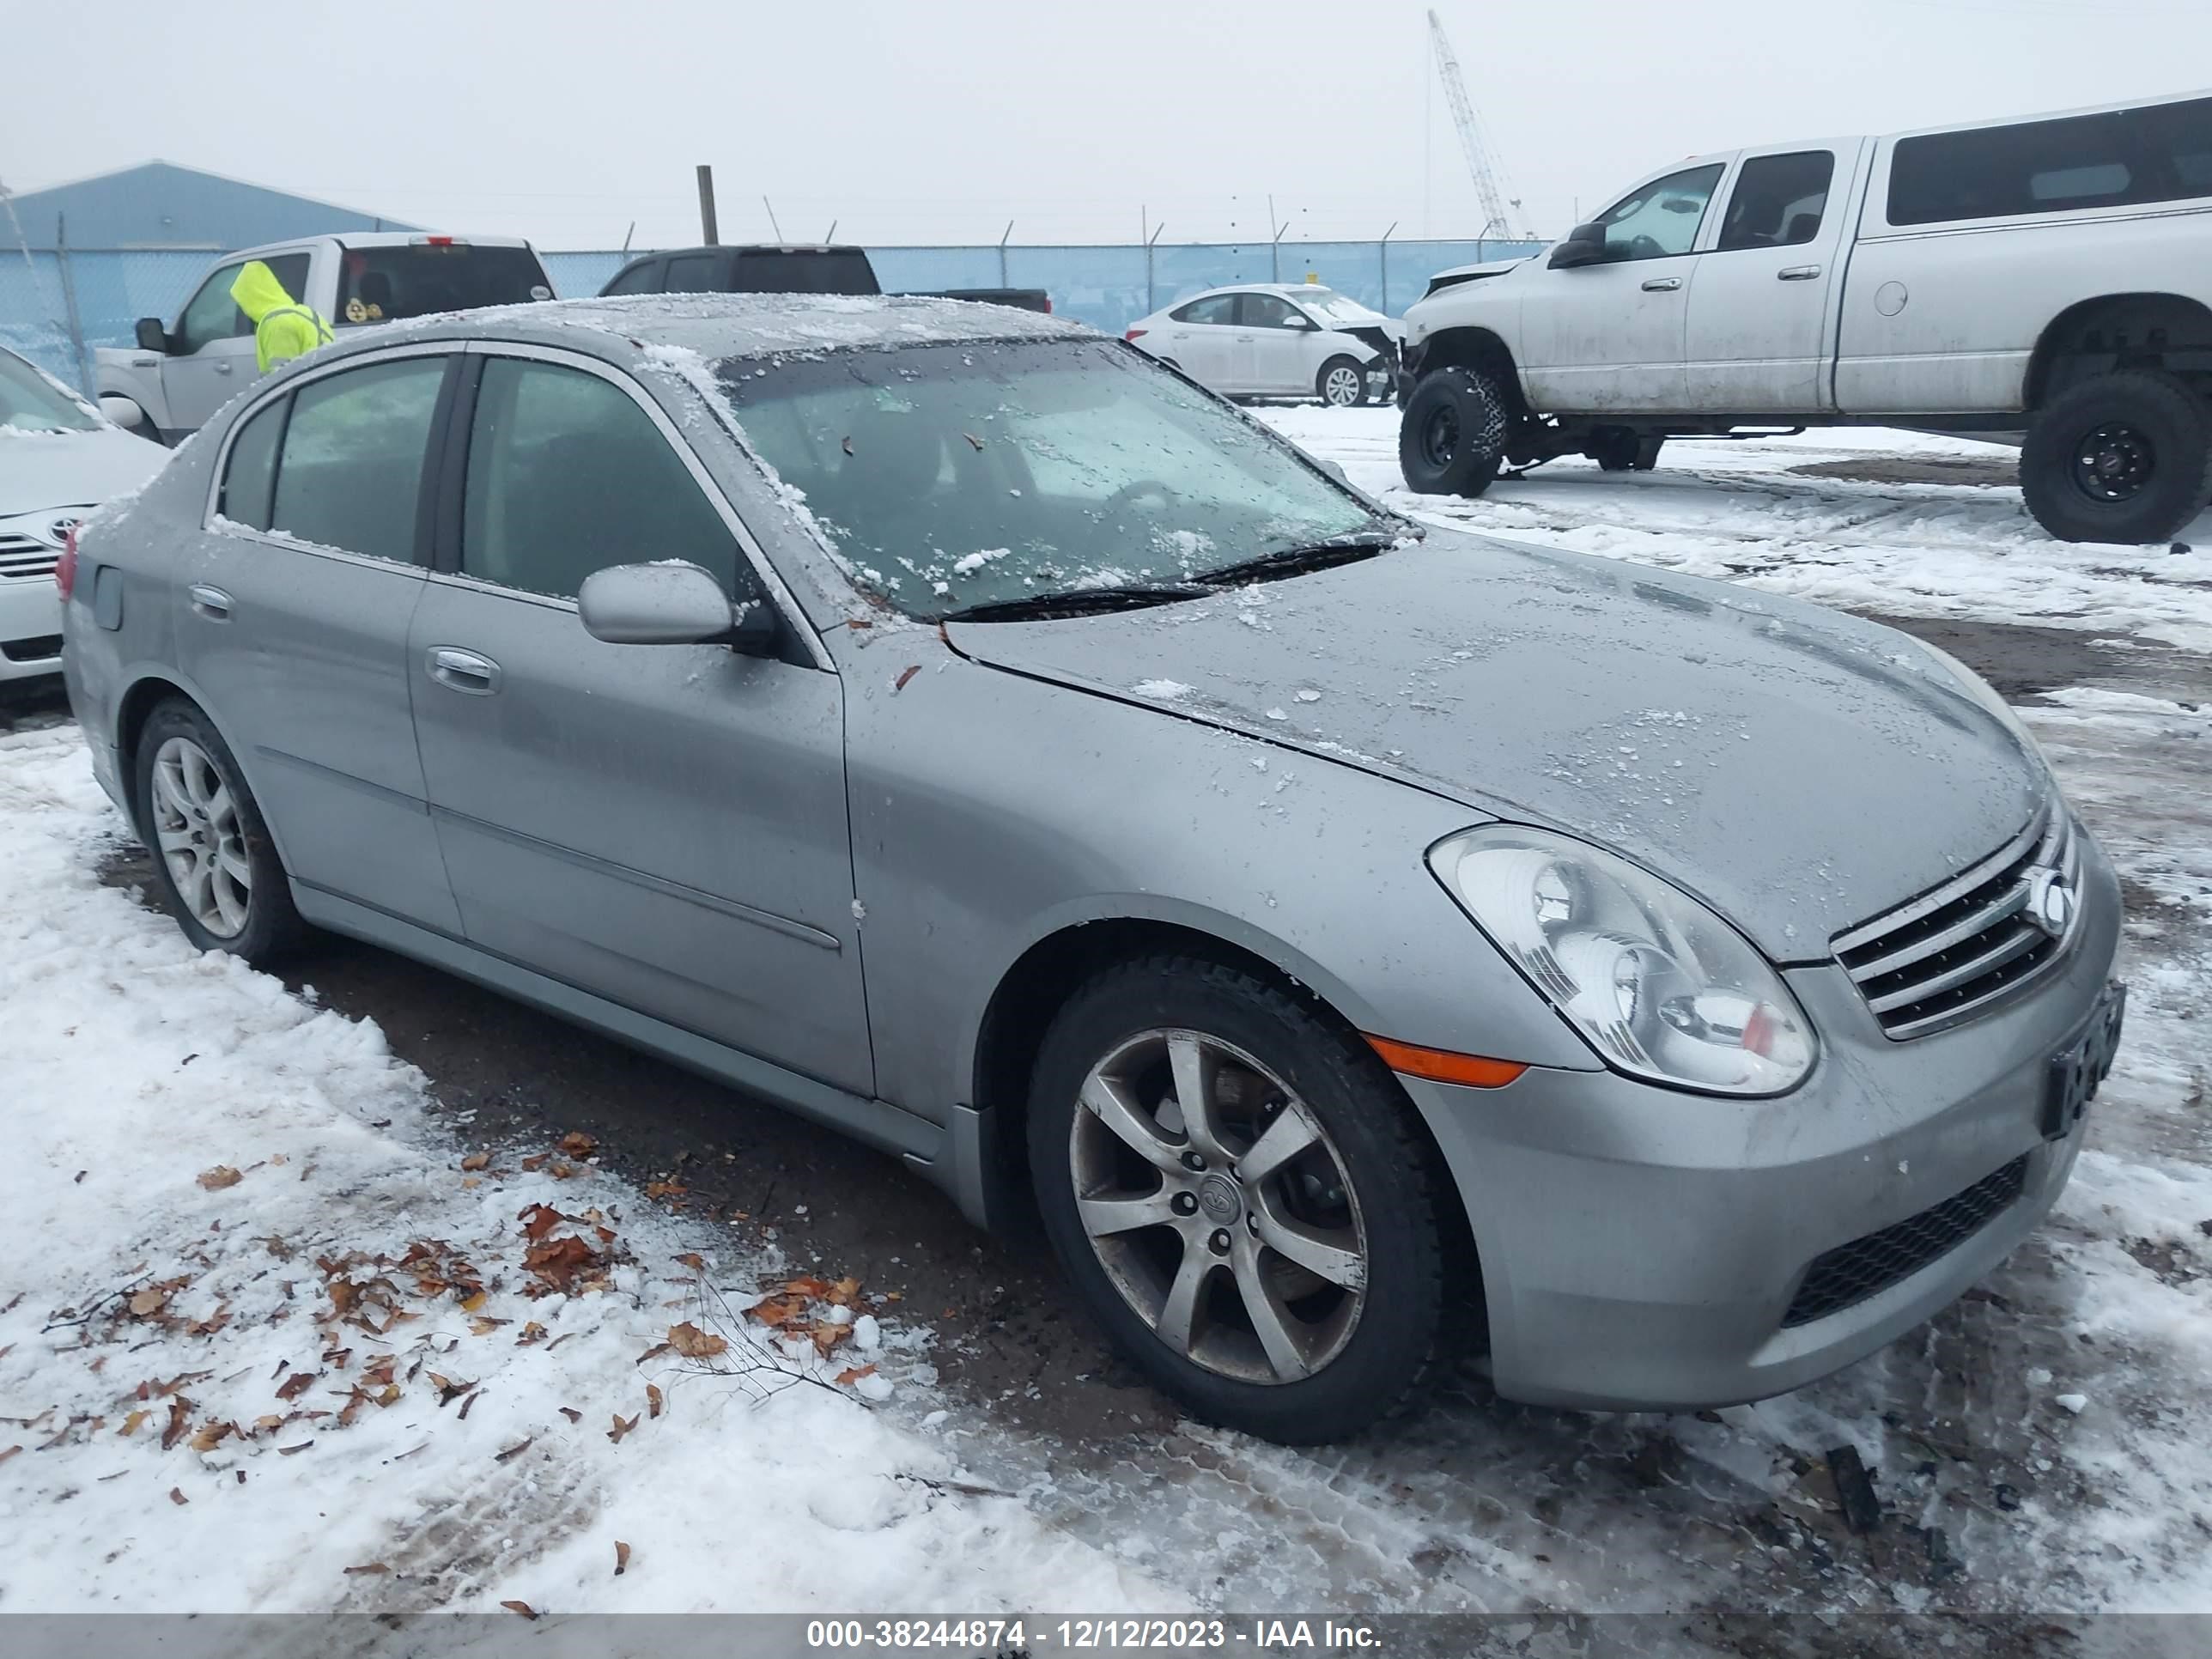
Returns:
(159, 205)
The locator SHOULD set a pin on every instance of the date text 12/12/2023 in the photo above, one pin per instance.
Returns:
(989, 1638)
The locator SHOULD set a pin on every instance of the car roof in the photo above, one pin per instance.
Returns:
(640, 327)
(364, 239)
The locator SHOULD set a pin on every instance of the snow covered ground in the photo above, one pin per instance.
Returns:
(218, 1188)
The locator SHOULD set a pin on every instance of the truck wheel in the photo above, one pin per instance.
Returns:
(1341, 384)
(2122, 458)
(1452, 435)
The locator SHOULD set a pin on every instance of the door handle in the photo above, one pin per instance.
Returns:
(463, 670)
(1245, 339)
(1662, 285)
(209, 602)
(1797, 273)
(222, 365)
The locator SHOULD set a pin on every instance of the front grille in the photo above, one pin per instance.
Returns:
(1960, 948)
(37, 650)
(1850, 1273)
(23, 557)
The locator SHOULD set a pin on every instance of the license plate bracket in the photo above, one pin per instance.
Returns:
(2072, 1076)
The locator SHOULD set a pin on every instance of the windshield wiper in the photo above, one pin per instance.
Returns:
(1313, 556)
(1076, 602)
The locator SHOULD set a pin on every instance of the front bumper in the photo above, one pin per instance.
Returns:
(1641, 1248)
(30, 626)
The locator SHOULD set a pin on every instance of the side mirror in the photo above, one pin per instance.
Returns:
(124, 411)
(151, 336)
(1585, 246)
(673, 603)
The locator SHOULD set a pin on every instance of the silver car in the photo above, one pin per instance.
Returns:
(1348, 940)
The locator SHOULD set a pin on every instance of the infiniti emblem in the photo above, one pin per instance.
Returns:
(2051, 902)
(1218, 1197)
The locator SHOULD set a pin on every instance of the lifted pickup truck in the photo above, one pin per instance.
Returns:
(784, 269)
(2047, 281)
(175, 378)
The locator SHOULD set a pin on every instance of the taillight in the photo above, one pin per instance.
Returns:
(66, 566)
(1135, 333)
(1047, 305)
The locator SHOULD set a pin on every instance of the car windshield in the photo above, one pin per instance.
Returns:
(377, 284)
(29, 402)
(1327, 302)
(955, 477)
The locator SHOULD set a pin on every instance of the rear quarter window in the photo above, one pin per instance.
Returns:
(378, 284)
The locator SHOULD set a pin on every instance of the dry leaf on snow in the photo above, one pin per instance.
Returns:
(177, 1496)
(694, 1260)
(216, 1179)
(476, 1161)
(693, 1343)
(148, 1302)
(522, 1608)
(572, 1413)
(577, 1143)
(622, 1427)
(852, 1374)
(622, 1558)
(514, 1451)
(372, 1567)
(652, 1400)
(295, 1385)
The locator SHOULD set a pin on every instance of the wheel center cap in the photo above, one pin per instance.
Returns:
(1220, 1198)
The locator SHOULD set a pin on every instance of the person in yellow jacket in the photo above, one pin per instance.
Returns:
(282, 328)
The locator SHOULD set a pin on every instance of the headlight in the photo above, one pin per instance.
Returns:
(1984, 695)
(1660, 987)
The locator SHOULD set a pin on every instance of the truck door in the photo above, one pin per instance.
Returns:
(1762, 315)
(1609, 337)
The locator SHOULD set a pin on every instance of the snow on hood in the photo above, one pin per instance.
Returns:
(1799, 769)
(42, 470)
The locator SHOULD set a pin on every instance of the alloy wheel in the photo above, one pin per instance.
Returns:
(196, 830)
(1341, 387)
(1219, 1207)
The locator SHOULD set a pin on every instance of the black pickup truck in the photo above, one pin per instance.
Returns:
(763, 269)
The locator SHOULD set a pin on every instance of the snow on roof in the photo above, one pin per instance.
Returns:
(718, 325)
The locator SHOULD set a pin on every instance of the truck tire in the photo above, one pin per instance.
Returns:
(1452, 436)
(1341, 384)
(2122, 458)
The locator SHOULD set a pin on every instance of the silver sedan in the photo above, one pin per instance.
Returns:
(1353, 941)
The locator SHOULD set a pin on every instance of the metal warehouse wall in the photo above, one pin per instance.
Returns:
(108, 290)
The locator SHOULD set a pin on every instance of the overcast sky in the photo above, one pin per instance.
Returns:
(940, 120)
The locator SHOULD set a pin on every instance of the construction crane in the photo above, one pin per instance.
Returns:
(1487, 185)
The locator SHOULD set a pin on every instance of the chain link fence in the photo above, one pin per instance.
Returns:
(55, 309)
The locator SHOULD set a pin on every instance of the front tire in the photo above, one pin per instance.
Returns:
(2123, 458)
(1452, 436)
(216, 867)
(1239, 1194)
(1341, 384)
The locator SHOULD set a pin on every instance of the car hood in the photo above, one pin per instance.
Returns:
(1798, 769)
(39, 469)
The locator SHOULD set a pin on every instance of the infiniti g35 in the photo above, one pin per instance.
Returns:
(942, 721)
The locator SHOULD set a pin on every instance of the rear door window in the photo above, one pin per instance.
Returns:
(568, 475)
(1778, 200)
(417, 279)
(1216, 308)
(350, 470)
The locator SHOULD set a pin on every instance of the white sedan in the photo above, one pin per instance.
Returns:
(1276, 340)
(60, 458)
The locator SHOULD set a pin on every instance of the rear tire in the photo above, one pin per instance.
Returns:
(1452, 436)
(215, 866)
(2122, 458)
(1327, 1351)
(1341, 384)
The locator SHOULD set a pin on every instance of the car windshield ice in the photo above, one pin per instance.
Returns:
(29, 402)
(951, 477)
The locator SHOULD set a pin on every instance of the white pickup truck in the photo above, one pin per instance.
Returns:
(2043, 279)
(174, 379)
